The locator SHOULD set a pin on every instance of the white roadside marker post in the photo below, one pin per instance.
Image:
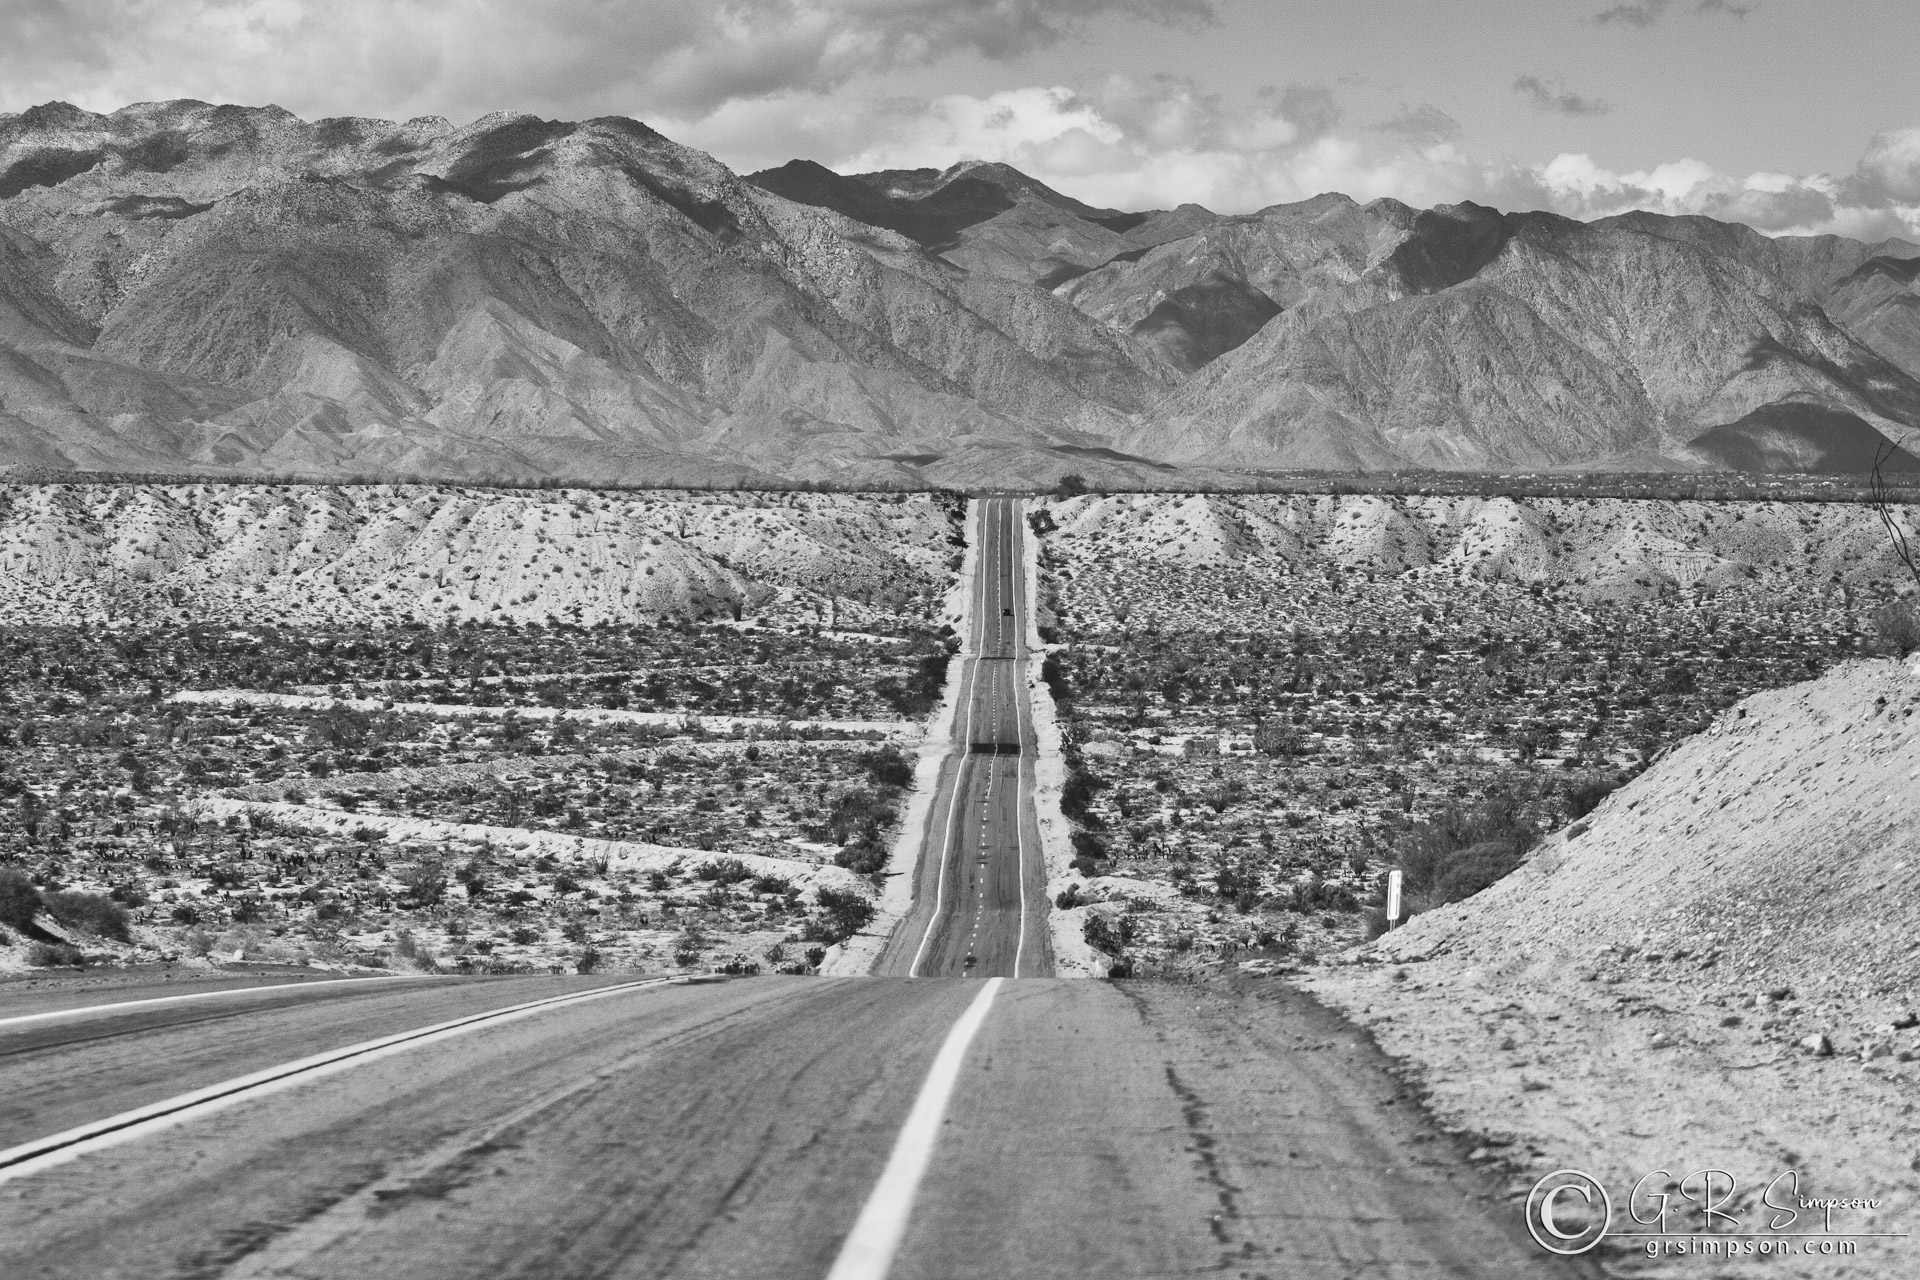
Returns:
(1393, 898)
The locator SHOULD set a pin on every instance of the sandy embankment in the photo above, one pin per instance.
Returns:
(1072, 957)
(857, 954)
(1719, 968)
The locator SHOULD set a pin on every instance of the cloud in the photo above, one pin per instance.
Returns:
(1155, 142)
(1552, 95)
(1890, 169)
(464, 58)
(1421, 124)
(1648, 13)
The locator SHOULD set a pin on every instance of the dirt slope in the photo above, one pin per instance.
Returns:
(1649, 990)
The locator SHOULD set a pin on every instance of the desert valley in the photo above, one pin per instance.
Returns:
(1481, 649)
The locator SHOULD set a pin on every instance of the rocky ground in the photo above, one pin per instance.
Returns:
(384, 554)
(478, 730)
(1591, 548)
(1717, 969)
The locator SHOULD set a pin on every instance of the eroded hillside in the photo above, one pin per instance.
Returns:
(1599, 548)
(327, 554)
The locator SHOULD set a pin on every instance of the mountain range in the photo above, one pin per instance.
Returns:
(232, 291)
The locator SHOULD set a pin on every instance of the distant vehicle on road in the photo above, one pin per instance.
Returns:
(1006, 613)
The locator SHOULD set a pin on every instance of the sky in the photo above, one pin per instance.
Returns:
(1789, 115)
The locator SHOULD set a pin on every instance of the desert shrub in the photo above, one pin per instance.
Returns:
(724, 871)
(93, 913)
(19, 900)
(575, 931)
(1077, 793)
(921, 692)
(887, 767)
(49, 954)
(1896, 627)
(866, 855)
(738, 965)
(847, 911)
(1108, 935)
(1584, 796)
(779, 886)
(1475, 867)
(524, 935)
(1088, 850)
(588, 961)
(1315, 894)
(1462, 850)
(423, 885)
(816, 956)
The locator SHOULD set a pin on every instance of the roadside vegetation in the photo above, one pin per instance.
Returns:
(502, 827)
(1250, 750)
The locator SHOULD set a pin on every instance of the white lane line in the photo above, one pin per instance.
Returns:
(969, 687)
(85, 1010)
(57, 1149)
(882, 1224)
(1019, 764)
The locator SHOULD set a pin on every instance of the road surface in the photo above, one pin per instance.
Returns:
(980, 888)
(945, 1128)
(737, 1128)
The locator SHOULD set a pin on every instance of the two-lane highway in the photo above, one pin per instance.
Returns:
(630, 1127)
(980, 889)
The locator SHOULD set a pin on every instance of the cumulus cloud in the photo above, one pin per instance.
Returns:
(1648, 13)
(465, 57)
(1142, 143)
(1890, 169)
(1553, 95)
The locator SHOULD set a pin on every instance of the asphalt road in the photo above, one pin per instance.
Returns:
(737, 1128)
(980, 890)
(858, 1129)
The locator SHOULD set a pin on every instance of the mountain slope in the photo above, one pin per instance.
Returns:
(518, 298)
(230, 290)
(1490, 341)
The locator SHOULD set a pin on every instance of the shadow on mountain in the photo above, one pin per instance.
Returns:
(1448, 245)
(1201, 321)
(935, 220)
(1794, 436)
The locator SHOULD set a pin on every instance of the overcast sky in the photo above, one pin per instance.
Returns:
(1788, 114)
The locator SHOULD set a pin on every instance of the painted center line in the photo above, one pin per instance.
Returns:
(882, 1224)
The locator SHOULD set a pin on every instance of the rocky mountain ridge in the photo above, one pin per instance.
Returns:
(188, 288)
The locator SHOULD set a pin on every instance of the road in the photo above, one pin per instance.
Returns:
(943, 1128)
(737, 1128)
(980, 887)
